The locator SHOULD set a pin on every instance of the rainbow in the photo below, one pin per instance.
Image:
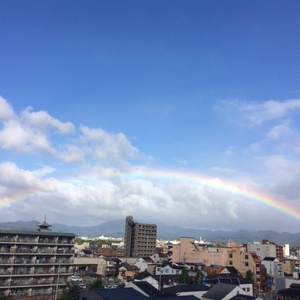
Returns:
(157, 175)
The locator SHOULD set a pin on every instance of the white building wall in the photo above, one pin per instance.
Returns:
(262, 250)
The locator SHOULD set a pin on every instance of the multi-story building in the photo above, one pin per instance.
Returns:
(187, 251)
(266, 249)
(35, 263)
(245, 261)
(139, 239)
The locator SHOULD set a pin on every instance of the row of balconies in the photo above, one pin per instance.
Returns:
(33, 290)
(37, 240)
(28, 292)
(34, 260)
(34, 271)
(23, 250)
(31, 281)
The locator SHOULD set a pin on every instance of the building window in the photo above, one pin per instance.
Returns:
(230, 255)
(246, 264)
(246, 256)
(230, 263)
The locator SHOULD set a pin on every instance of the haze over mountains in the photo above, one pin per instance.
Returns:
(115, 228)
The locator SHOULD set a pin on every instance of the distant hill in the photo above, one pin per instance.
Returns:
(115, 228)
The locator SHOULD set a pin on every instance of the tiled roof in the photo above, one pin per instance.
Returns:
(268, 258)
(228, 280)
(148, 288)
(126, 294)
(173, 290)
(242, 297)
(219, 291)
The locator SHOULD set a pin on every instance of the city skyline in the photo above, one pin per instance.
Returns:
(186, 112)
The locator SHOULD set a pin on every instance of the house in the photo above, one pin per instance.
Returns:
(143, 263)
(229, 272)
(197, 290)
(273, 266)
(240, 282)
(125, 293)
(108, 266)
(293, 292)
(152, 281)
(127, 272)
(168, 270)
(223, 291)
(144, 288)
(159, 258)
(84, 253)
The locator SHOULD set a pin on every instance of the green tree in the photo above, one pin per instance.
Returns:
(97, 284)
(142, 275)
(250, 276)
(79, 241)
(184, 276)
(70, 293)
(197, 278)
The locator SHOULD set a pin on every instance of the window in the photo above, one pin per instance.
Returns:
(246, 256)
(230, 263)
(230, 255)
(246, 264)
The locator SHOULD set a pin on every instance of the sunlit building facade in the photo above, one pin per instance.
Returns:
(35, 263)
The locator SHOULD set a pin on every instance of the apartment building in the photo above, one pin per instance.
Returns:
(245, 261)
(187, 251)
(266, 249)
(35, 263)
(139, 238)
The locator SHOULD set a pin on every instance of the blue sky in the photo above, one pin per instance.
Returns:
(90, 87)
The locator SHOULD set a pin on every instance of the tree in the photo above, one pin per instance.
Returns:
(142, 275)
(184, 276)
(70, 293)
(97, 284)
(250, 276)
(197, 278)
(79, 241)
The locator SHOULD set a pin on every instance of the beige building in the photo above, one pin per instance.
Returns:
(244, 261)
(187, 251)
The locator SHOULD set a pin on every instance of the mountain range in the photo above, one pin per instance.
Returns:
(115, 228)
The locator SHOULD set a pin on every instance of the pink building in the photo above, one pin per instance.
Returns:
(190, 252)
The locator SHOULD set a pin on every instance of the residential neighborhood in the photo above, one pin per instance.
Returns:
(42, 263)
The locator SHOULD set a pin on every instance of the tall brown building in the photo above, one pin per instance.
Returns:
(139, 239)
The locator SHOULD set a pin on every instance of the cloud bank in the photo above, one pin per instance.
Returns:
(84, 176)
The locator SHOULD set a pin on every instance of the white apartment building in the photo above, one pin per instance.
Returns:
(35, 263)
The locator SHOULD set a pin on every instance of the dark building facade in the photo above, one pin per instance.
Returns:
(139, 238)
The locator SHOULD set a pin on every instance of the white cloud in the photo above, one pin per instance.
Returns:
(42, 121)
(279, 131)
(39, 133)
(6, 111)
(28, 132)
(22, 139)
(106, 146)
(259, 112)
(99, 189)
